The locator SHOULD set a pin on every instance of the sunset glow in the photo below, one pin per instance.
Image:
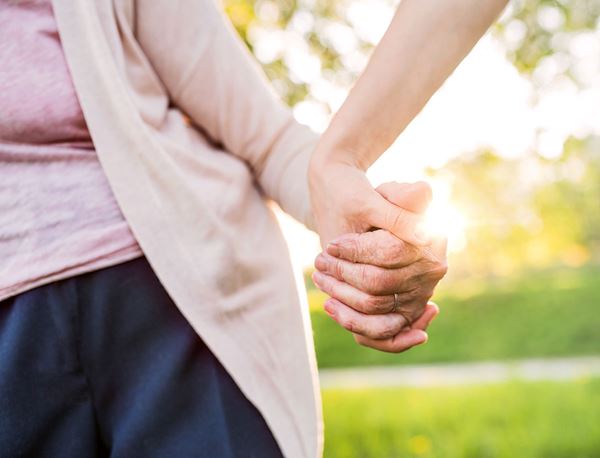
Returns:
(444, 219)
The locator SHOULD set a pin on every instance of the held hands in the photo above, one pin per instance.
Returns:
(343, 201)
(379, 283)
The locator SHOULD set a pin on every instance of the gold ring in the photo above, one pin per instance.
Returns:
(396, 302)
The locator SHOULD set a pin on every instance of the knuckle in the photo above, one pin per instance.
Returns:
(365, 278)
(411, 295)
(386, 282)
(396, 221)
(435, 270)
(338, 269)
(388, 329)
(399, 252)
(424, 296)
(330, 285)
(414, 313)
(377, 304)
(374, 286)
(374, 280)
(370, 304)
(413, 309)
(412, 253)
(397, 246)
(333, 290)
(353, 249)
(392, 251)
(441, 269)
(434, 265)
(427, 270)
(350, 324)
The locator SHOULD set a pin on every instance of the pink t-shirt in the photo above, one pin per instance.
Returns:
(58, 216)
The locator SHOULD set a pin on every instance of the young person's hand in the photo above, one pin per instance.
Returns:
(343, 201)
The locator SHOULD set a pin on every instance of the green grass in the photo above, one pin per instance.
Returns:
(513, 420)
(552, 313)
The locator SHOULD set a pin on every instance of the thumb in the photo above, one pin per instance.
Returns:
(402, 223)
(414, 197)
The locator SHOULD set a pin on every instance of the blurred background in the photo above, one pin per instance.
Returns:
(511, 146)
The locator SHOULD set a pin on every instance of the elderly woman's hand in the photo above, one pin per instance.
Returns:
(380, 288)
(379, 285)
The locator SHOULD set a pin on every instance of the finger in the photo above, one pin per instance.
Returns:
(412, 305)
(429, 314)
(355, 298)
(372, 326)
(406, 339)
(373, 280)
(414, 197)
(378, 248)
(402, 223)
(402, 341)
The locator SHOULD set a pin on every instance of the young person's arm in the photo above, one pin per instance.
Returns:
(423, 44)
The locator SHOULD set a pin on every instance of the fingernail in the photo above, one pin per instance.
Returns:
(425, 337)
(333, 249)
(321, 263)
(317, 277)
(328, 306)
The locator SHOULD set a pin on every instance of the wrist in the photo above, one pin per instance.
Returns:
(328, 155)
(323, 166)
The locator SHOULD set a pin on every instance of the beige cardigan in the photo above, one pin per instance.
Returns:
(193, 187)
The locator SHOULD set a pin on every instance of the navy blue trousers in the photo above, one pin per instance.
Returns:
(104, 364)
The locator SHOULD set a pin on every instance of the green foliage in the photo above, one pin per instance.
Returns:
(533, 420)
(527, 212)
(572, 196)
(303, 20)
(543, 29)
(533, 31)
(553, 313)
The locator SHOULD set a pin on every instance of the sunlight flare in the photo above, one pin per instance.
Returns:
(444, 219)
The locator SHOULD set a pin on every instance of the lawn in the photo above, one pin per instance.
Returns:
(512, 420)
(543, 314)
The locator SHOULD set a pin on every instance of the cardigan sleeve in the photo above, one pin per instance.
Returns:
(212, 77)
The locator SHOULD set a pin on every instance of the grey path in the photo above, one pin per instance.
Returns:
(461, 373)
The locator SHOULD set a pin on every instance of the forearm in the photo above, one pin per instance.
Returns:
(422, 46)
(283, 177)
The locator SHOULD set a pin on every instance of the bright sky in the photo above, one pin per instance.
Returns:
(485, 103)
